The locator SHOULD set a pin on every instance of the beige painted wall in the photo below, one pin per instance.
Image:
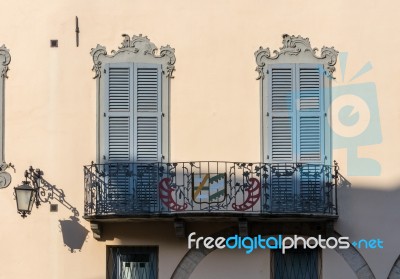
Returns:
(50, 109)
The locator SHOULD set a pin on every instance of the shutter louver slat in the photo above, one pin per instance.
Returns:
(310, 141)
(281, 93)
(119, 139)
(119, 96)
(147, 139)
(282, 145)
(147, 90)
(309, 89)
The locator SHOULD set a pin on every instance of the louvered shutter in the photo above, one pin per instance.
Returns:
(282, 122)
(310, 115)
(310, 135)
(118, 141)
(147, 92)
(281, 115)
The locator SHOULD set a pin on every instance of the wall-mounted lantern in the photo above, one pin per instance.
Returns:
(25, 194)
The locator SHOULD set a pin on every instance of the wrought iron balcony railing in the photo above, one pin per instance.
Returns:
(134, 189)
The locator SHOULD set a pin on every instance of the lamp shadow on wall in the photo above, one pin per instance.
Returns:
(74, 234)
(342, 182)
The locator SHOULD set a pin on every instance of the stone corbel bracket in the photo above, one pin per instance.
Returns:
(139, 47)
(300, 47)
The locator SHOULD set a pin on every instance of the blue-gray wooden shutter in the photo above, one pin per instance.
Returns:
(281, 112)
(118, 122)
(310, 134)
(147, 92)
(281, 119)
(310, 115)
(147, 140)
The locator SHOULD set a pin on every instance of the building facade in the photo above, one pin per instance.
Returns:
(146, 148)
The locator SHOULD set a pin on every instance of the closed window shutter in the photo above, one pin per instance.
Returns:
(148, 112)
(310, 116)
(282, 113)
(118, 139)
(296, 135)
(118, 125)
(147, 117)
(282, 123)
(310, 135)
(296, 113)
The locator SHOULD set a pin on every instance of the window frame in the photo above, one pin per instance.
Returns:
(295, 50)
(140, 50)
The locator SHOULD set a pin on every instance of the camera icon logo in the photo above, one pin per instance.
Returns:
(355, 114)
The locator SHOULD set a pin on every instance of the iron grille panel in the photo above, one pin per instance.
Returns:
(128, 189)
(126, 262)
(296, 264)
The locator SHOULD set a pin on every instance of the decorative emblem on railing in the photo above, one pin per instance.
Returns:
(253, 195)
(165, 190)
(209, 188)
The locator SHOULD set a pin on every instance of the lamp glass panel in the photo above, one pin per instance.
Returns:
(25, 198)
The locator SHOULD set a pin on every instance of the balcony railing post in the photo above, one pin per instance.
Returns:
(336, 166)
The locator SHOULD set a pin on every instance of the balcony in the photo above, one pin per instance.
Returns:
(204, 190)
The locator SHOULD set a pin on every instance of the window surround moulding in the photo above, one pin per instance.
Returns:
(296, 46)
(5, 59)
(136, 49)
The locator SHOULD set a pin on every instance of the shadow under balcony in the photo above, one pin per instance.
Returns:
(210, 191)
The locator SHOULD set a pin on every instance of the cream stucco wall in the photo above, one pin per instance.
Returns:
(50, 114)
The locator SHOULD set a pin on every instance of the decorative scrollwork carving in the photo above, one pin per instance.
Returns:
(139, 45)
(260, 54)
(168, 51)
(5, 177)
(330, 54)
(5, 60)
(96, 52)
(293, 45)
